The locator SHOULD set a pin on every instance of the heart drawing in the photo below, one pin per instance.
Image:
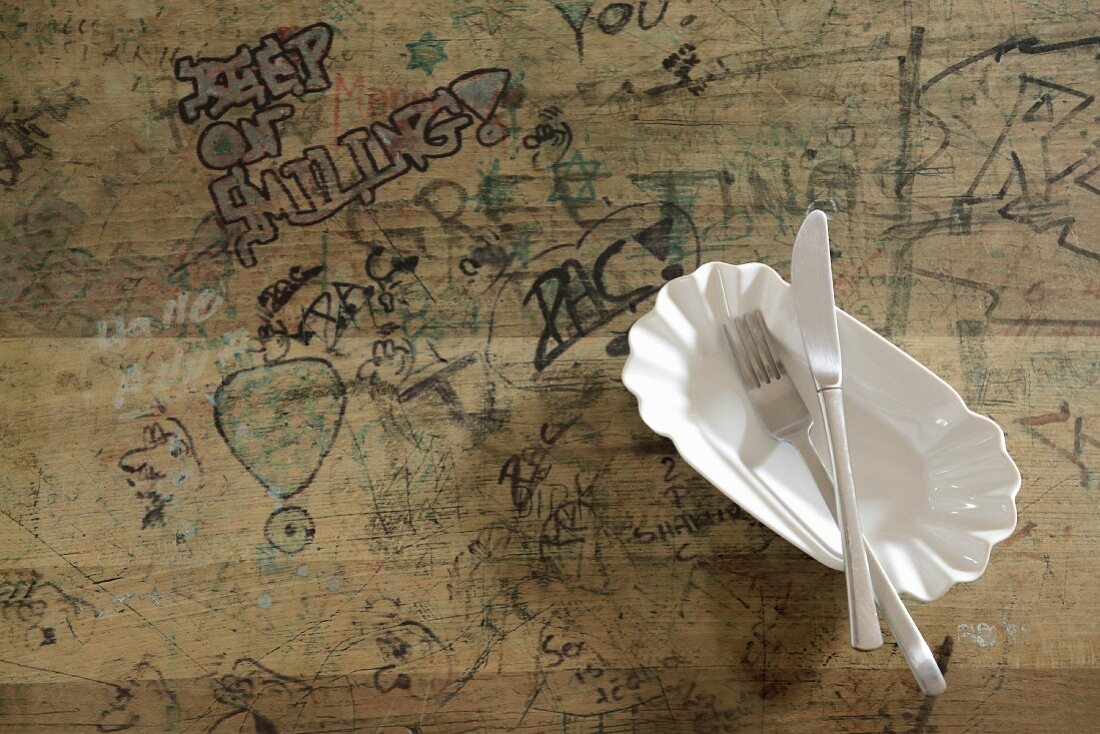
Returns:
(280, 420)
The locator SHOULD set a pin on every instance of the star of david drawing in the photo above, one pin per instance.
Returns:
(576, 170)
(425, 53)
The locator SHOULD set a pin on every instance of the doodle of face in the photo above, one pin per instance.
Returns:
(37, 613)
(257, 697)
(144, 697)
(393, 658)
(165, 464)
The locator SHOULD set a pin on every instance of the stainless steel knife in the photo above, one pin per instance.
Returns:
(812, 282)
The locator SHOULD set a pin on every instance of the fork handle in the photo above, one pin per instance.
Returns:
(862, 617)
(906, 633)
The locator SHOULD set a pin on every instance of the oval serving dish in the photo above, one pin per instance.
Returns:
(935, 482)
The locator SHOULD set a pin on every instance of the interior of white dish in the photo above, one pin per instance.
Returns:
(936, 486)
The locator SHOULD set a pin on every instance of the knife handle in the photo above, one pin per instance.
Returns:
(862, 616)
(906, 634)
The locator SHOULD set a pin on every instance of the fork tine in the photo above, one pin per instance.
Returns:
(766, 342)
(762, 376)
(763, 358)
(740, 356)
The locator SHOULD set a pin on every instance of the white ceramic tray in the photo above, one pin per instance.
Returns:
(936, 485)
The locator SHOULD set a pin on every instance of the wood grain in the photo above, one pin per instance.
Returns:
(365, 464)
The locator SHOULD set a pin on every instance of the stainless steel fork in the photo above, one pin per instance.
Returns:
(786, 417)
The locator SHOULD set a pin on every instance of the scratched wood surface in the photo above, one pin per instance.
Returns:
(314, 426)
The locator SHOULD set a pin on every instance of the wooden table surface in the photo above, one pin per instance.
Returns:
(311, 425)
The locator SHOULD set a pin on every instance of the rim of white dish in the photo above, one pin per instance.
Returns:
(988, 538)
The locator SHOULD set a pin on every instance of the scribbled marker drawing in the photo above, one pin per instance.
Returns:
(164, 463)
(289, 529)
(280, 420)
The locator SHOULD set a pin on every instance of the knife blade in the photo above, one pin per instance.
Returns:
(812, 283)
(812, 278)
